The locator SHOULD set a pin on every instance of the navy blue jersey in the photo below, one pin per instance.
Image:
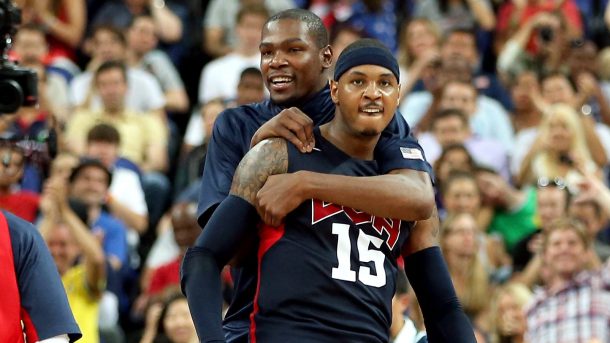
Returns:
(43, 298)
(230, 141)
(328, 273)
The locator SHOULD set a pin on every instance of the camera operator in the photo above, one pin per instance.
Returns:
(551, 41)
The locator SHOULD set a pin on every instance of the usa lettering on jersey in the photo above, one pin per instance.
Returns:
(321, 210)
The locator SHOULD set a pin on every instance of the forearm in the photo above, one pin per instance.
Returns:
(598, 153)
(176, 101)
(234, 219)
(90, 247)
(389, 196)
(169, 26)
(132, 219)
(531, 273)
(71, 34)
(482, 14)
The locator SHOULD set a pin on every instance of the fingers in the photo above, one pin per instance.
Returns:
(300, 125)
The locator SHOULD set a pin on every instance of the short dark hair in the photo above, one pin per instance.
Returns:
(557, 73)
(456, 175)
(113, 30)
(250, 71)
(89, 163)
(254, 9)
(109, 65)
(339, 28)
(450, 112)
(470, 31)
(315, 26)
(104, 133)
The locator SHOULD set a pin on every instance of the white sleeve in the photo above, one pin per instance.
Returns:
(126, 188)
(194, 130)
(78, 89)
(154, 94)
(57, 339)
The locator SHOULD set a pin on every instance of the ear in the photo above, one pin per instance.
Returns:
(334, 87)
(326, 56)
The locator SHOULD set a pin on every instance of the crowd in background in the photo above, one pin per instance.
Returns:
(509, 99)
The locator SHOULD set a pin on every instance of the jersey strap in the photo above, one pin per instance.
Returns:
(10, 317)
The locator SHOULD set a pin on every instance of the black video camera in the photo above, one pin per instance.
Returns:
(18, 86)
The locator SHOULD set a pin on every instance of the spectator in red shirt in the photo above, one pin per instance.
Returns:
(22, 203)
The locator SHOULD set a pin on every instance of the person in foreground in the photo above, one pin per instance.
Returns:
(295, 63)
(327, 270)
(34, 303)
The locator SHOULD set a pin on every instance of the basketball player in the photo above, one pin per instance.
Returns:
(295, 61)
(328, 272)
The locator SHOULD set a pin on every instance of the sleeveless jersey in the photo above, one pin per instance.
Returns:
(328, 273)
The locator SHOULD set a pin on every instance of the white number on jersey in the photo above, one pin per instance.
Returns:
(344, 249)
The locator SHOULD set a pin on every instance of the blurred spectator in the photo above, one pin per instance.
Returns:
(23, 204)
(190, 168)
(343, 35)
(552, 199)
(143, 94)
(520, 18)
(142, 53)
(594, 220)
(220, 36)
(550, 32)
(559, 151)
(525, 89)
(64, 21)
(69, 238)
(120, 14)
(508, 320)
(450, 126)
(461, 44)
(574, 305)
(457, 13)
(143, 137)
(403, 330)
(418, 48)
(453, 157)
(220, 77)
(514, 210)
(593, 93)
(186, 230)
(461, 194)
(31, 48)
(250, 89)
(460, 246)
(450, 86)
(170, 323)
(125, 199)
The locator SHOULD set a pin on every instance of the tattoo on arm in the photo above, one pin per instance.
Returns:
(267, 158)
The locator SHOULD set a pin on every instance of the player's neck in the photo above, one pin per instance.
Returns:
(356, 146)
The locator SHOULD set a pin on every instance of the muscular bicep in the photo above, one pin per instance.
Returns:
(267, 158)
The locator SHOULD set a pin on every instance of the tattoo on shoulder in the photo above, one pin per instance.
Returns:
(268, 157)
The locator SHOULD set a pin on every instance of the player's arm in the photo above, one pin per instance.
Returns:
(44, 306)
(427, 271)
(404, 192)
(235, 218)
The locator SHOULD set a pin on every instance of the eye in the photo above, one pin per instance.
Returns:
(294, 50)
(357, 82)
(385, 83)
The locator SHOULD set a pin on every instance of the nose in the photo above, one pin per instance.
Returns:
(277, 60)
(372, 91)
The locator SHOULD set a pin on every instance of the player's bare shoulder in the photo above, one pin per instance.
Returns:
(268, 157)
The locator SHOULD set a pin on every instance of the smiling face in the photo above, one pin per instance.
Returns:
(292, 63)
(565, 252)
(367, 97)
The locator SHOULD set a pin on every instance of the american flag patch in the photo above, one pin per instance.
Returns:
(411, 154)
